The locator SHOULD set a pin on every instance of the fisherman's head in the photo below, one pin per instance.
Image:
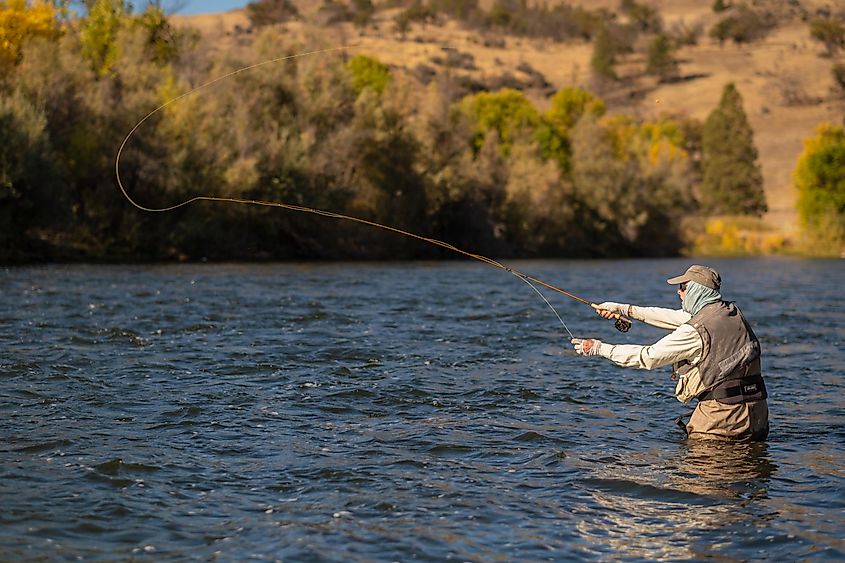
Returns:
(698, 286)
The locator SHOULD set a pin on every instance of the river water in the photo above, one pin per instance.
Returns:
(382, 412)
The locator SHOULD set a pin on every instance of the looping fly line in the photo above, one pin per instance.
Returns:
(530, 280)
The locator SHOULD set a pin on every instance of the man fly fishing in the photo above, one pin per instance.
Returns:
(714, 353)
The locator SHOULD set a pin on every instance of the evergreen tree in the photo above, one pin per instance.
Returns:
(732, 181)
(661, 61)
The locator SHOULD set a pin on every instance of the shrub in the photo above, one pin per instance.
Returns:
(830, 32)
(743, 26)
(269, 12)
(368, 73)
(646, 18)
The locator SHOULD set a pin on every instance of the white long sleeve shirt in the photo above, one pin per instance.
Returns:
(683, 343)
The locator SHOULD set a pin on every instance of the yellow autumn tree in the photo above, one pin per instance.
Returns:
(19, 21)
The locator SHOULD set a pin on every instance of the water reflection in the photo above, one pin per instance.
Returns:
(677, 507)
(724, 469)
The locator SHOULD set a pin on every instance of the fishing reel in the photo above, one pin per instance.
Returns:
(622, 324)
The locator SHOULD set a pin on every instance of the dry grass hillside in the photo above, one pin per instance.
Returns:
(785, 79)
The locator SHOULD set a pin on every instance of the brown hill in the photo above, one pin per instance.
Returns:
(785, 79)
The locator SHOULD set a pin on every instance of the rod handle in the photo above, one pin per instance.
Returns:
(622, 324)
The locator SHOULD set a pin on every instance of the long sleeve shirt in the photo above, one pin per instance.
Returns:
(683, 343)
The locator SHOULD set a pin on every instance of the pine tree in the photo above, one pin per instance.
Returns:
(732, 181)
(661, 62)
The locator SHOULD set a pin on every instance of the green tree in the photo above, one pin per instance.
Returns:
(507, 111)
(820, 180)
(732, 181)
(661, 61)
(569, 104)
(98, 34)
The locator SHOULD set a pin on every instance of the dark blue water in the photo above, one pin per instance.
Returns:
(396, 412)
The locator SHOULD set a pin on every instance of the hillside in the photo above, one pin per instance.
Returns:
(787, 63)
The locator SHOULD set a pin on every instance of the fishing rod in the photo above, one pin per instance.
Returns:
(622, 323)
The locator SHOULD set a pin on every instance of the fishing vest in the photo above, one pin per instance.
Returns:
(729, 367)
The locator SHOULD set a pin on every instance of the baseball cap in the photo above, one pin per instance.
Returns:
(708, 277)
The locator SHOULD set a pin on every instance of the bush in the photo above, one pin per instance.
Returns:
(269, 12)
(830, 32)
(743, 26)
(645, 18)
(368, 73)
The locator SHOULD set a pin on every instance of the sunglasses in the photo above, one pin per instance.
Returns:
(682, 287)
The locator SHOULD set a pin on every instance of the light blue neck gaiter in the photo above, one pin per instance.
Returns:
(697, 296)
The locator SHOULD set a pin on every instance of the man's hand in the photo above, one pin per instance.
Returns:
(609, 309)
(587, 347)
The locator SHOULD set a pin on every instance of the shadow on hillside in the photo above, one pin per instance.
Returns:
(684, 78)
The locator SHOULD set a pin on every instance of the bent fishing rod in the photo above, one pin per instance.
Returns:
(622, 323)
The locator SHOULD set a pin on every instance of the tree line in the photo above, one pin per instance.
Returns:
(489, 171)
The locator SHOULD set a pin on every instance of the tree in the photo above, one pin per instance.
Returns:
(820, 180)
(507, 111)
(732, 181)
(661, 61)
(569, 104)
(98, 34)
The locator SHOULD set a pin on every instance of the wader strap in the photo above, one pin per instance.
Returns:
(735, 391)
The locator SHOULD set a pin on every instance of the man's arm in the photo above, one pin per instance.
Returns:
(669, 319)
(660, 317)
(684, 343)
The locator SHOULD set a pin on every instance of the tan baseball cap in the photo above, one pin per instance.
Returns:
(708, 277)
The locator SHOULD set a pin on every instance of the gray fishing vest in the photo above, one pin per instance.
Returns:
(729, 367)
